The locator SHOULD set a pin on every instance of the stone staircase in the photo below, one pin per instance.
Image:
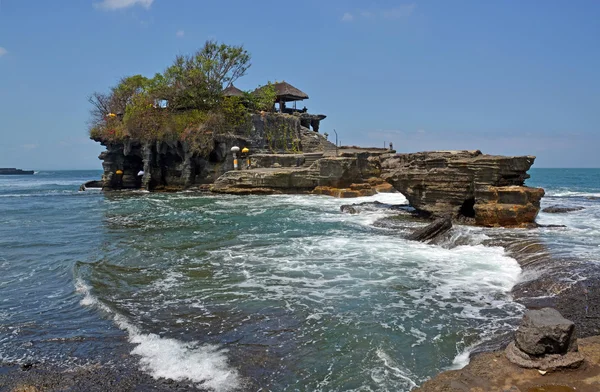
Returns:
(311, 157)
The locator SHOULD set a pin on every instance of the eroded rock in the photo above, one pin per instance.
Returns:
(486, 188)
(431, 231)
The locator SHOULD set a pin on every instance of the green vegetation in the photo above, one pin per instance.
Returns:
(185, 102)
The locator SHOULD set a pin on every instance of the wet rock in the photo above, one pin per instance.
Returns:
(28, 365)
(348, 209)
(437, 228)
(91, 184)
(545, 340)
(561, 210)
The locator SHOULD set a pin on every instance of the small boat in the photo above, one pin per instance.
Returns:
(13, 171)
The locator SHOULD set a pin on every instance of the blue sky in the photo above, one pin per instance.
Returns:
(507, 77)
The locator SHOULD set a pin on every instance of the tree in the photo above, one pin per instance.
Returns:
(196, 81)
(128, 87)
(192, 86)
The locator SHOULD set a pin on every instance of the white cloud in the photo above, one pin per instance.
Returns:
(111, 5)
(3, 51)
(348, 17)
(180, 33)
(29, 146)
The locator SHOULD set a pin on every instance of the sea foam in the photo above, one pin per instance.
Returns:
(204, 365)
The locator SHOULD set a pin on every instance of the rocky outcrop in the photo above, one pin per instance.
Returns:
(484, 189)
(173, 165)
(332, 172)
(561, 210)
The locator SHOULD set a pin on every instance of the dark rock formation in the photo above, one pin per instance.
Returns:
(561, 210)
(14, 171)
(431, 231)
(485, 188)
(91, 184)
(348, 209)
(308, 120)
(545, 340)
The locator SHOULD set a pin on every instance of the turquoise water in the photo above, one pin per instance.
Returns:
(243, 293)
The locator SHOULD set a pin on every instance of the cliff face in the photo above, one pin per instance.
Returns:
(175, 165)
(486, 189)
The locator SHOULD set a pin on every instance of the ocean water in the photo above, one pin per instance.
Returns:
(279, 292)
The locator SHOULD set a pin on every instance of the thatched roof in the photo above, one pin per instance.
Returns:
(286, 92)
(233, 91)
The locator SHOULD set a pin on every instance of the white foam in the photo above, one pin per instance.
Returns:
(392, 367)
(567, 193)
(461, 360)
(205, 365)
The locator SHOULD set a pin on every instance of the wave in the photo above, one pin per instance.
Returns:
(204, 365)
(567, 193)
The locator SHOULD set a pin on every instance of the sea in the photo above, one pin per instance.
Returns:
(272, 293)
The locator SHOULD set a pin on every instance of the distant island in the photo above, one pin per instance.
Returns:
(13, 171)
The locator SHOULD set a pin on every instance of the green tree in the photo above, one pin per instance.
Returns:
(196, 81)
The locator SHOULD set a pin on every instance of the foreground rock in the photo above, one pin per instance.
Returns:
(467, 185)
(434, 230)
(545, 340)
(545, 357)
(492, 372)
(561, 210)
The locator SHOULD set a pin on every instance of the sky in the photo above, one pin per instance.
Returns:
(512, 77)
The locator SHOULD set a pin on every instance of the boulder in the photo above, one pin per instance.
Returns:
(348, 209)
(429, 232)
(545, 331)
(545, 340)
(561, 210)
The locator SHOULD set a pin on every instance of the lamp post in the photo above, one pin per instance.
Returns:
(336, 143)
(245, 154)
(235, 150)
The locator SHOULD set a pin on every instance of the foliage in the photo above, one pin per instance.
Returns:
(197, 81)
(263, 99)
(184, 102)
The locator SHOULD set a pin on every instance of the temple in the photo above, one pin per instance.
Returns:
(287, 93)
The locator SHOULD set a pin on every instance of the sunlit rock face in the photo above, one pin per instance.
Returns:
(484, 189)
